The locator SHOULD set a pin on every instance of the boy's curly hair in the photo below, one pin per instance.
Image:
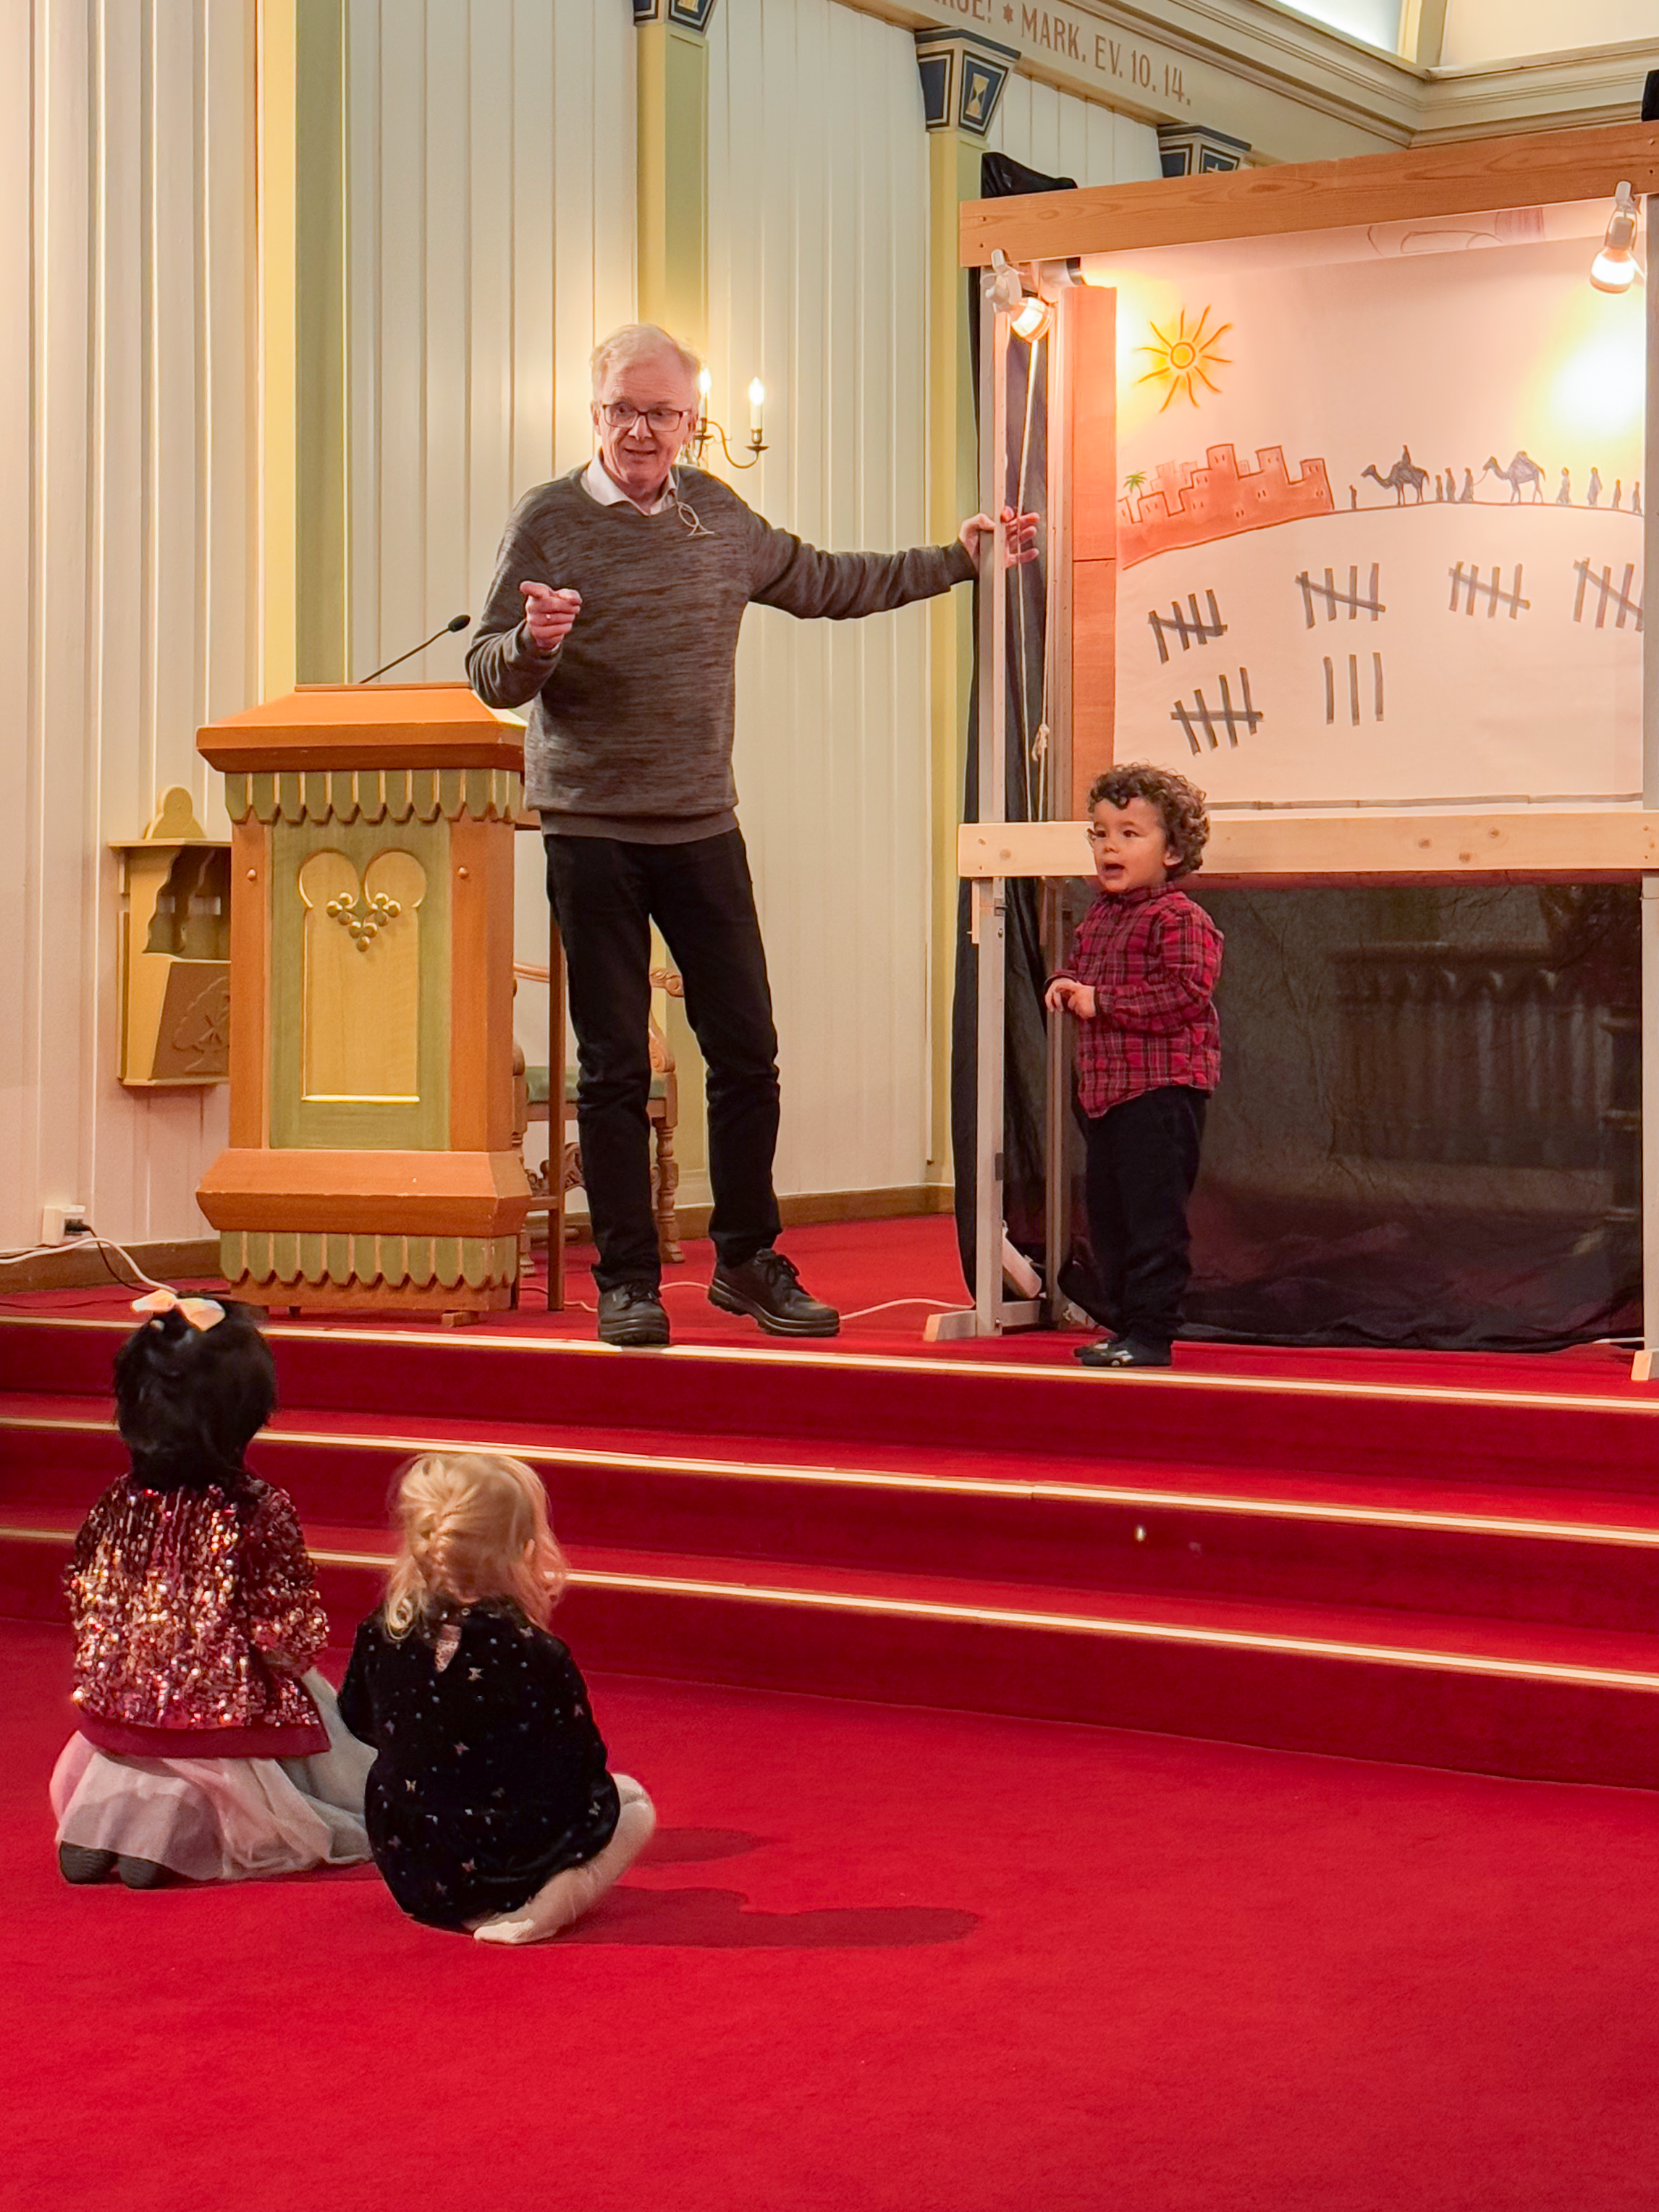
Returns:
(1180, 805)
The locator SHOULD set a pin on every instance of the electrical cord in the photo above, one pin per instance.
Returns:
(104, 1246)
(862, 1313)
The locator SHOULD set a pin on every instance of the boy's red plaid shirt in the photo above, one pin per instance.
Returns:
(1153, 957)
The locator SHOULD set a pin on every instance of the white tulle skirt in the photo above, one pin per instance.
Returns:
(221, 1819)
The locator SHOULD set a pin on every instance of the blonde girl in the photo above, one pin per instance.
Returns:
(489, 1807)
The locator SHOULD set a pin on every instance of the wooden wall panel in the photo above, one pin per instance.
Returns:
(126, 410)
(492, 240)
(817, 227)
(1062, 135)
(491, 220)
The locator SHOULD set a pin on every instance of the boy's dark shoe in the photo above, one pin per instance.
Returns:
(768, 1290)
(633, 1313)
(1121, 1352)
(80, 1865)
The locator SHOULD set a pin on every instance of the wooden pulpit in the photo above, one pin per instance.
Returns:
(371, 1165)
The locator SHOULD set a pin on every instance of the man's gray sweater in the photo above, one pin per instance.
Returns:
(631, 724)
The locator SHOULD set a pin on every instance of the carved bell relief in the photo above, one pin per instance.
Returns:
(362, 995)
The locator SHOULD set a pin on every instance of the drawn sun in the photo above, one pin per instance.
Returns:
(1182, 358)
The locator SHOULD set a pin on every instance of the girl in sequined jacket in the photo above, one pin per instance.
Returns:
(490, 1807)
(208, 1747)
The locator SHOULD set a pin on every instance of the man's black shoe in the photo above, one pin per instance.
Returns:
(632, 1314)
(767, 1289)
(1121, 1352)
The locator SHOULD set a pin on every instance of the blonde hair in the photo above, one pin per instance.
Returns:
(635, 342)
(474, 1526)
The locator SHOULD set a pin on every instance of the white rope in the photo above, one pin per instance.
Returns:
(78, 1243)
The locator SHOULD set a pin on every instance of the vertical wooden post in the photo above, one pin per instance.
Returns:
(1092, 431)
(1647, 1357)
(322, 395)
(671, 140)
(990, 898)
(962, 77)
(276, 257)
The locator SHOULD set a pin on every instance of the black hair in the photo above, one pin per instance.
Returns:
(188, 1401)
(1180, 807)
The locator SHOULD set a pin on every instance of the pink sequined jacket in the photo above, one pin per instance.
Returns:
(195, 1612)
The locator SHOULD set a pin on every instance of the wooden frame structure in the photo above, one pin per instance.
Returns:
(1531, 844)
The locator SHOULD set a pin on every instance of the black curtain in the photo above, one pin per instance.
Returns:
(1025, 486)
(1427, 1133)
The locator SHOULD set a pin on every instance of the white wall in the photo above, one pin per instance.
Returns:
(492, 239)
(1376, 22)
(1065, 137)
(818, 229)
(126, 419)
(1502, 30)
(492, 221)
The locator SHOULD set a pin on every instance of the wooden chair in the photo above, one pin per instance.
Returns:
(533, 1095)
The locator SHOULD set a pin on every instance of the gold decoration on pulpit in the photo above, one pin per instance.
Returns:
(362, 992)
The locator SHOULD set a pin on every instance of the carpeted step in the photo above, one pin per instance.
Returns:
(1184, 1417)
(1523, 1555)
(1488, 1697)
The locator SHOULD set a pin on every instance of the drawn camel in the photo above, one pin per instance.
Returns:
(1405, 471)
(1522, 470)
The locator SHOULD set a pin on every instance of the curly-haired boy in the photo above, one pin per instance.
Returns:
(1141, 984)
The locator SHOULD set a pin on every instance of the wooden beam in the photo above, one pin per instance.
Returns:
(1540, 168)
(1578, 845)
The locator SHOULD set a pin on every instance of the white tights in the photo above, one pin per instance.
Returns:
(578, 1888)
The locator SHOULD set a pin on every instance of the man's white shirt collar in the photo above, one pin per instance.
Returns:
(598, 483)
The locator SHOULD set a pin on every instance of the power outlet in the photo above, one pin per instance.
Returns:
(59, 1223)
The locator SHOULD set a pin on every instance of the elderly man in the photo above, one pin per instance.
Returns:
(614, 610)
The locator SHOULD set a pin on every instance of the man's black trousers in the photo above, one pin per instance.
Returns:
(1141, 1162)
(605, 895)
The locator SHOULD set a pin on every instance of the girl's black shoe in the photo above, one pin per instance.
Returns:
(77, 1864)
(144, 1873)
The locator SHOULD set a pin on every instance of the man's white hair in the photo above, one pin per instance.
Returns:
(637, 342)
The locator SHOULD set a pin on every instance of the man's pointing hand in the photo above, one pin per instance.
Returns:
(548, 615)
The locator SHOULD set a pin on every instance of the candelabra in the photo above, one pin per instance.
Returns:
(708, 429)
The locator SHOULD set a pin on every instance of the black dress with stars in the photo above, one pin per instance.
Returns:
(490, 1775)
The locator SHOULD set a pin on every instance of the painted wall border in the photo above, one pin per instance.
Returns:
(1294, 89)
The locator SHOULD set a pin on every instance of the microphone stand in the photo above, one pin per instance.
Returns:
(455, 623)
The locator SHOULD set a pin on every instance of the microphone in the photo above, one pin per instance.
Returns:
(455, 621)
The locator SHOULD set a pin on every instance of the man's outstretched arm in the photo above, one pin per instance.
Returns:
(838, 587)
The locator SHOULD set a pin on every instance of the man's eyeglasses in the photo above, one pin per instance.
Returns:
(619, 415)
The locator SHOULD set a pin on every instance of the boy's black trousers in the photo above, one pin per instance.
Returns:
(1141, 1163)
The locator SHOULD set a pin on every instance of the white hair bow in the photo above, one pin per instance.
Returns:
(200, 1313)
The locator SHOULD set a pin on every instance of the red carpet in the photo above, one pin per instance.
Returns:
(880, 1961)
(1450, 1562)
(886, 1277)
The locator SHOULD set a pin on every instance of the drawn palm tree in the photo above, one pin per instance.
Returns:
(1132, 483)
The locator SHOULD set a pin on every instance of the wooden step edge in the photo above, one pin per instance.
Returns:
(1027, 1619)
(848, 1363)
(1134, 1496)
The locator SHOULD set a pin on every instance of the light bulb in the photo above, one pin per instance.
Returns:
(1032, 317)
(705, 384)
(1614, 269)
(757, 401)
(1000, 283)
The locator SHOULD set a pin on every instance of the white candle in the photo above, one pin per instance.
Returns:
(757, 401)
